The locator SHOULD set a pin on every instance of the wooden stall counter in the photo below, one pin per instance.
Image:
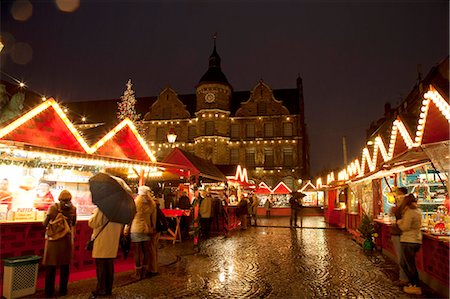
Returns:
(432, 259)
(28, 238)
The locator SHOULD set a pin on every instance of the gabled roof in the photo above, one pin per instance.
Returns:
(263, 189)
(197, 166)
(88, 109)
(309, 187)
(48, 126)
(281, 188)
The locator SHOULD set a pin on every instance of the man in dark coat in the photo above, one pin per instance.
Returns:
(296, 203)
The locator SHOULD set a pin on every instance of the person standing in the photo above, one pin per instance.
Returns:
(152, 268)
(216, 206)
(242, 211)
(59, 252)
(205, 210)
(140, 231)
(268, 205)
(410, 240)
(296, 204)
(397, 211)
(105, 249)
(184, 204)
(254, 209)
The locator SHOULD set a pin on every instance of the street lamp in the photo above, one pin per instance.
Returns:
(171, 136)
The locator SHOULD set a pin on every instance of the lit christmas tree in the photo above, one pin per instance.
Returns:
(127, 105)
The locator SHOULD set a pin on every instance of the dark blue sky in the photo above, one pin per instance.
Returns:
(353, 56)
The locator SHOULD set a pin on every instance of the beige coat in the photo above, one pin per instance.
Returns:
(141, 221)
(205, 207)
(410, 225)
(106, 244)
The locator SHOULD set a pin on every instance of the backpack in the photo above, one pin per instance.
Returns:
(58, 227)
(161, 221)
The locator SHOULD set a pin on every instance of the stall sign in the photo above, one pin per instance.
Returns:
(25, 214)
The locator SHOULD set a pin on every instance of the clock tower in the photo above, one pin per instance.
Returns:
(213, 91)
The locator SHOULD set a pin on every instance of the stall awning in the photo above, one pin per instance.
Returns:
(263, 189)
(281, 188)
(410, 157)
(196, 165)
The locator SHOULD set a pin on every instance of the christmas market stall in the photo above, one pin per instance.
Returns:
(42, 153)
(418, 162)
(201, 175)
(279, 198)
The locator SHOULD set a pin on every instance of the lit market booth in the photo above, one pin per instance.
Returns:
(238, 187)
(199, 173)
(41, 153)
(421, 164)
(279, 196)
(312, 203)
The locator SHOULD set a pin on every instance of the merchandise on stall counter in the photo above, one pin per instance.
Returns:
(437, 223)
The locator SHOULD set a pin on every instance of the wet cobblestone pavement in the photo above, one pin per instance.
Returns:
(264, 262)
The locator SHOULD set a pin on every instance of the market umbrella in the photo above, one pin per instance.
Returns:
(113, 197)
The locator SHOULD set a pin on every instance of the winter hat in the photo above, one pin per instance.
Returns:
(143, 190)
(65, 195)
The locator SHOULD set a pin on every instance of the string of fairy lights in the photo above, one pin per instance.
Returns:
(358, 169)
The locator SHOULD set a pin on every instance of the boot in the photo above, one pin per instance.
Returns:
(137, 273)
(143, 272)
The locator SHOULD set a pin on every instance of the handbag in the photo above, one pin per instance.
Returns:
(58, 227)
(90, 244)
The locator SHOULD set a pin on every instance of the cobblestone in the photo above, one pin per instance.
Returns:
(264, 262)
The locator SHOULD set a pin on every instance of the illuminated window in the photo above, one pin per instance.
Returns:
(268, 129)
(234, 156)
(287, 129)
(268, 157)
(250, 130)
(250, 154)
(192, 132)
(209, 128)
(235, 131)
(288, 157)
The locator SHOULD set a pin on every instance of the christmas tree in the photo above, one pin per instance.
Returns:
(127, 105)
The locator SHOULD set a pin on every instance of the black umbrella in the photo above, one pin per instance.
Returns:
(113, 197)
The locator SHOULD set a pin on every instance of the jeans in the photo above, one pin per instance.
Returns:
(399, 252)
(408, 262)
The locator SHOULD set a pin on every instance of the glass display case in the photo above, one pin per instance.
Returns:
(354, 192)
(427, 184)
(26, 193)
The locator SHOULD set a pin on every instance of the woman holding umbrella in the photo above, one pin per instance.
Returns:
(115, 208)
(140, 229)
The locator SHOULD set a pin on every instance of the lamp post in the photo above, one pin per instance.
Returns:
(171, 136)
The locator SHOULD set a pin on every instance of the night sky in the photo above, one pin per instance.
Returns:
(353, 56)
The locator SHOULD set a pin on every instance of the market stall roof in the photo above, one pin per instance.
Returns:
(281, 188)
(410, 157)
(309, 187)
(47, 126)
(263, 189)
(439, 154)
(196, 165)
